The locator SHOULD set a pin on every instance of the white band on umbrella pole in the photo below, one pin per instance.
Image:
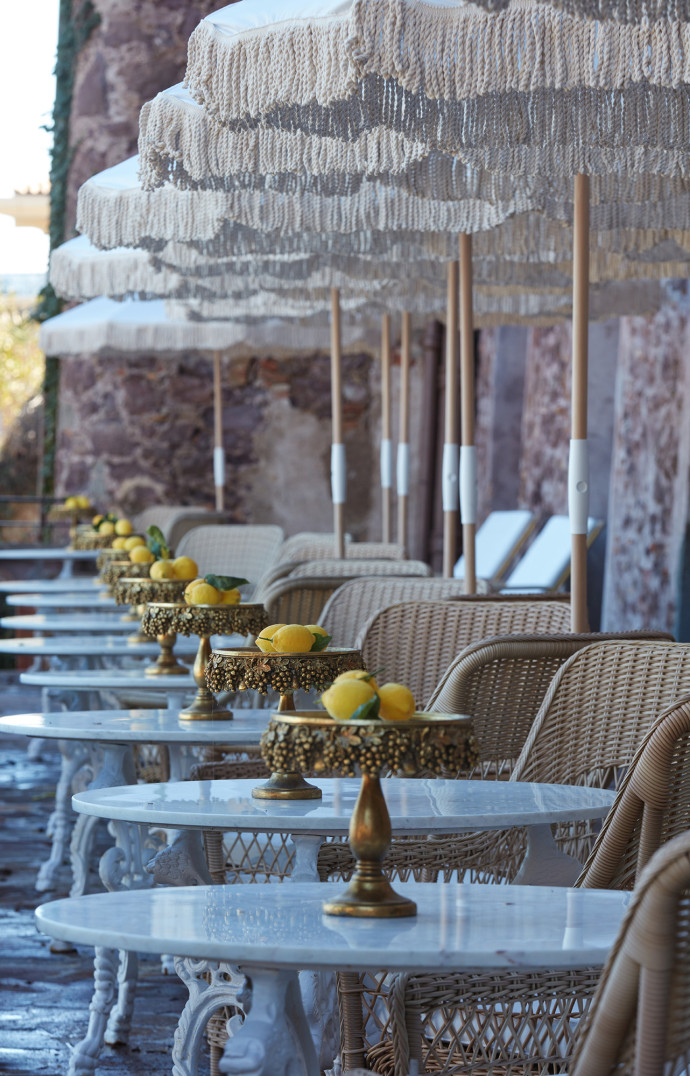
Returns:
(386, 463)
(578, 486)
(403, 469)
(219, 466)
(450, 477)
(338, 474)
(468, 484)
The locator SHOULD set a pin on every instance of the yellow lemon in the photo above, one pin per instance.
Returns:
(185, 568)
(293, 639)
(134, 541)
(190, 586)
(71, 502)
(162, 569)
(263, 639)
(357, 674)
(397, 702)
(118, 543)
(106, 528)
(230, 597)
(141, 555)
(124, 528)
(315, 629)
(203, 594)
(96, 520)
(82, 501)
(341, 700)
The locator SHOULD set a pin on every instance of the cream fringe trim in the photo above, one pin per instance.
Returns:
(177, 134)
(620, 10)
(523, 47)
(236, 339)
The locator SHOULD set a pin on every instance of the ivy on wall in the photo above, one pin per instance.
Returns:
(76, 24)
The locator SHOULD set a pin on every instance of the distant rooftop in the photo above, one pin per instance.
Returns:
(30, 209)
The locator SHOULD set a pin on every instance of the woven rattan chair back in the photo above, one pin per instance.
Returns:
(188, 522)
(414, 642)
(299, 601)
(350, 567)
(652, 805)
(502, 682)
(233, 549)
(311, 545)
(354, 603)
(163, 516)
(598, 708)
(639, 1020)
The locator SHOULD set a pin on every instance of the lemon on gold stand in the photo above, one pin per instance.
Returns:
(204, 620)
(249, 668)
(426, 742)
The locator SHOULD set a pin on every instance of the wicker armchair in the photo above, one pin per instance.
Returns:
(299, 601)
(236, 549)
(638, 1021)
(313, 546)
(652, 808)
(354, 603)
(356, 566)
(596, 726)
(163, 516)
(414, 642)
(189, 521)
(501, 683)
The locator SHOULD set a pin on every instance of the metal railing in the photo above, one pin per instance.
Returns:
(38, 526)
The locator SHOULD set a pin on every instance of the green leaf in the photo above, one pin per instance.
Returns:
(224, 582)
(368, 711)
(320, 643)
(156, 543)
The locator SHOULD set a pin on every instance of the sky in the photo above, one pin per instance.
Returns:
(27, 89)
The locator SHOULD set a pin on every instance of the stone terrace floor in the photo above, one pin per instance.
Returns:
(44, 997)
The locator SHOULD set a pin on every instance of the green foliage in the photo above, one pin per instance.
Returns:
(225, 582)
(75, 28)
(156, 543)
(320, 642)
(21, 362)
(368, 711)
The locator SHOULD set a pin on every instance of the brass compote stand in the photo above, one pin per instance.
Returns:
(249, 668)
(114, 570)
(430, 742)
(203, 620)
(60, 513)
(139, 592)
(88, 538)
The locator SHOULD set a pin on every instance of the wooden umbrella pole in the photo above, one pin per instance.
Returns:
(468, 452)
(450, 445)
(338, 473)
(403, 461)
(578, 467)
(386, 441)
(218, 448)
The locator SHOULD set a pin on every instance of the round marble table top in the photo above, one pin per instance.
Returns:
(48, 553)
(86, 646)
(415, 806)
(89, 584)
(137, 726)
(282, 926)
(68, 599)
(69, 622)
(97, 679)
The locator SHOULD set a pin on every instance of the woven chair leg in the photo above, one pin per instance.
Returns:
(216, 1053)
(351, 1021)
(215, 856)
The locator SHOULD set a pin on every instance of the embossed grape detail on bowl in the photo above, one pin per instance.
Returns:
(248, 668)
(137, 592)
(247, 618)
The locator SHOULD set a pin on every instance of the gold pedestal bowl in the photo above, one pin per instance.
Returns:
(431, 742)
(137, 592)
(115, 570)
(204, 620)
(248, 668)
(88, 538)
(60, 513)
(105, 556)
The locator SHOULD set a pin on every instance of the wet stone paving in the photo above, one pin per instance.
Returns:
(44, 996)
